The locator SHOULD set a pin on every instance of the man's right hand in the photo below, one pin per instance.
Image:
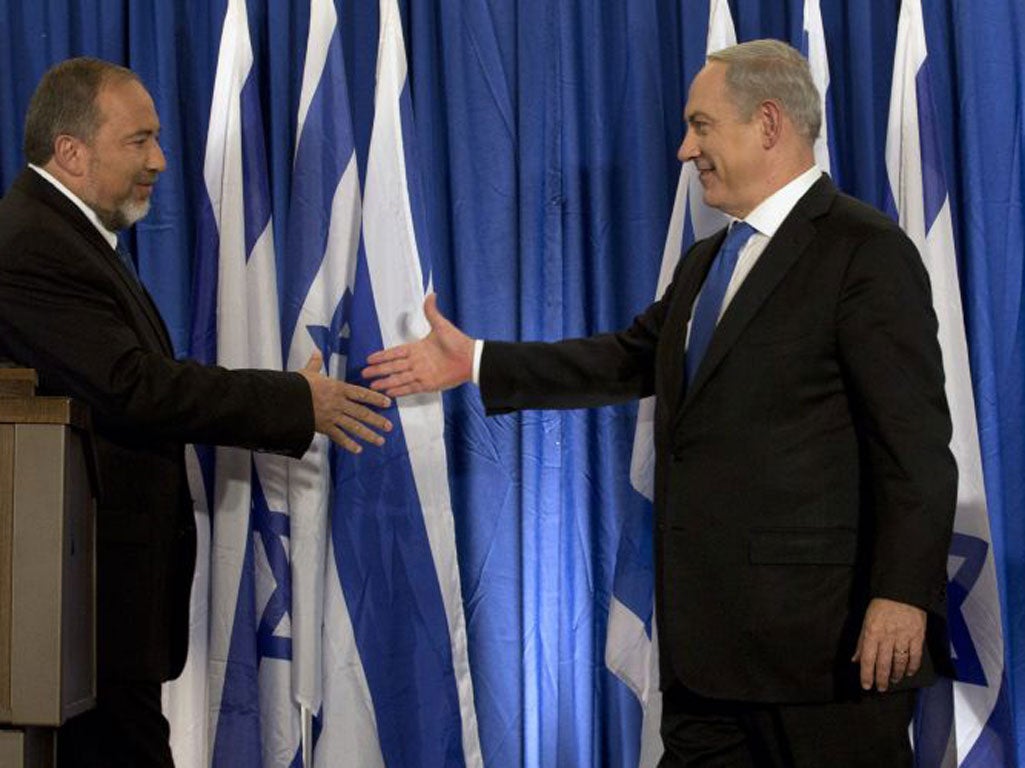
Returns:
(337, 409)
(441, 360)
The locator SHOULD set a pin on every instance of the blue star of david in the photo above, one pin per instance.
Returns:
(272, 527)
(966, 658)
(334, 340)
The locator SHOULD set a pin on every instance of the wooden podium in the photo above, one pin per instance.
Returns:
(48, 485)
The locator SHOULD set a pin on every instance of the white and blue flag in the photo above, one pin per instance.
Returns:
(252, 720)
(322, 243)
(965, 721)
(631, 647)
(381, 647)
(813, 46)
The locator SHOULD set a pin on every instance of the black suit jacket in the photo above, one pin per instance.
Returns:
(806, 468)
(69, 309)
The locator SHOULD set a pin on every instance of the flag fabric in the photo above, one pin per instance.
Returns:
(631, 647)
(394, 634)
(813, 46)
(252, 720)
(322, 240)
(184, 700)
(965, 721)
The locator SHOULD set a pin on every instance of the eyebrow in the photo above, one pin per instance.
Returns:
(698, 115)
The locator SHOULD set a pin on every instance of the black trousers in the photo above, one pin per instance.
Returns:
(869, 731)
(125, 730)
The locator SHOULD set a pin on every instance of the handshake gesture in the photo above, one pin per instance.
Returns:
(441, 360)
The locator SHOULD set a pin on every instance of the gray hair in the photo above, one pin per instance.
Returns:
(763, 70)
(64, 103)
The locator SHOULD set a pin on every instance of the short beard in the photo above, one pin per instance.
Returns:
(124, 216)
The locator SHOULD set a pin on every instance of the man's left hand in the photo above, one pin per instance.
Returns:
(890, 644)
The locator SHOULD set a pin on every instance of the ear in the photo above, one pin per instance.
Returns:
(69, 154)
(770, 115)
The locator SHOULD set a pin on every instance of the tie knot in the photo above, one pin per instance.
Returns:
(738, 235)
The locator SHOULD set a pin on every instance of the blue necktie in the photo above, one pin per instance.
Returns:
(706, 313)
(125, 255)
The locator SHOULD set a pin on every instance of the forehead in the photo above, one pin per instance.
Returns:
(126, 107)
(708, 92)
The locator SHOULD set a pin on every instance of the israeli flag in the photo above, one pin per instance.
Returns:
(631, 647)
(252, 718)
(322, 242)
(813, 46)
(964, 722)
(394, 635)
(184, 699)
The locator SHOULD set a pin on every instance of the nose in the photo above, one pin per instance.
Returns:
(156, 160)
(688, 148)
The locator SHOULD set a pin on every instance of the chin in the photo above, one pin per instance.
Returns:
(133, 211)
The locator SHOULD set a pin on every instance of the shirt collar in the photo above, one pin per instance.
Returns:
(769, 214)
(110, 237)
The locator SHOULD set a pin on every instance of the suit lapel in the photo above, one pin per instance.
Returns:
(791, 240)
(34, 185)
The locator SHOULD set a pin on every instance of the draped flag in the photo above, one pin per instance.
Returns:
(813, 46)
(252, 719)
(322, 240)
(184, 700)
(965, 721)
(395, 646)
(631, 647)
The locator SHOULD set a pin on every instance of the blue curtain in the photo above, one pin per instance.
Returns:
(547, 132)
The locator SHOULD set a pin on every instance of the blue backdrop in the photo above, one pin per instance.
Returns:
(547, 133)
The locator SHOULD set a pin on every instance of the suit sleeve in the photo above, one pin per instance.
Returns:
(59, 316)
(599, 370)
(892, 361)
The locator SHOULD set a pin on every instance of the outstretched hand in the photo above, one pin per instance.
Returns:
(337, 409)
(441, 360)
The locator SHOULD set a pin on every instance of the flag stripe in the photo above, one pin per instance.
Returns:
(254, 165)
(324, 151)
(934, 185)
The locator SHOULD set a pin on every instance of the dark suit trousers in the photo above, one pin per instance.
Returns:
(125, 730)
(870, 731)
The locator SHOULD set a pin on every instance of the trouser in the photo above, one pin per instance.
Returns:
(125, 730)
(869, 731)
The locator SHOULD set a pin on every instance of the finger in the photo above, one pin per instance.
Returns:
(364, 395)
(396, 390)
(431, 311)
(342, 440)
(867, 656)
(386, 368)
(391, 384)
(387, 355)
(365, 416)
(884, 665)
(358, 429)
(900, 665)
(915, 662)
(315, 363)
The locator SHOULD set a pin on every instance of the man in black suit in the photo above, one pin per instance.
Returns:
(804, 488)
(71, 308)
